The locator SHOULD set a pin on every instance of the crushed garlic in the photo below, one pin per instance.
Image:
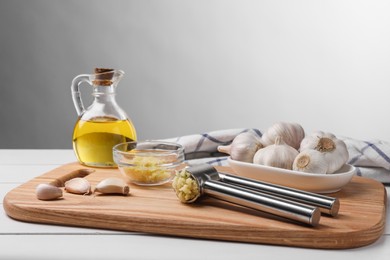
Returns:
(185, 186)
(147, 170)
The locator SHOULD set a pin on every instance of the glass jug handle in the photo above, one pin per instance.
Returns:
(76, 95)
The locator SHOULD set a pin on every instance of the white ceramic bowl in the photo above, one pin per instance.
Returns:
(319, 183)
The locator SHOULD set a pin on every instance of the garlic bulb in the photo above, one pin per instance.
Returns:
(279, 155)
(292, 134)
(310, 161)
(243, 147)
(334, 150)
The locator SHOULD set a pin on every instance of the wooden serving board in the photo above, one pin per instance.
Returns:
(156, 210)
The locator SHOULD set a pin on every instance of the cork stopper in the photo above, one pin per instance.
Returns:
(103, 77)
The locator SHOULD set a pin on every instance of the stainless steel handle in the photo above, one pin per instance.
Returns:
(267, 203)
(328, 205)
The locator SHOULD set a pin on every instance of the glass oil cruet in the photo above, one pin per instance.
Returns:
(103, 124)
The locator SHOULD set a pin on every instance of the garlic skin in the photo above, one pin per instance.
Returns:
(46, 191)
(310, 161)
(243, 147)
(279, 155)
(78, 186)
(334, 150)
(112, 186)
(292, 134)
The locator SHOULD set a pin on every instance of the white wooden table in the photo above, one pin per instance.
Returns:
(19, 240)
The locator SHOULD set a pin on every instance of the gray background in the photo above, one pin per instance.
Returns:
(197, 66)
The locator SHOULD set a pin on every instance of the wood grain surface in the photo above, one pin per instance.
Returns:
(156, 210)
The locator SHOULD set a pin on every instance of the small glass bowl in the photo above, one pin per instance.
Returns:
(149, 163)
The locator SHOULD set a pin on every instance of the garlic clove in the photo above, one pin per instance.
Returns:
(78, 186)
(292, 134)
(112, 186)
(279, 155)
(48, 192)
(310, 161)
(243, 147)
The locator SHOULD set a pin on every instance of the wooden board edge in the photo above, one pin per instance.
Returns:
(328, 241)
(17, 211)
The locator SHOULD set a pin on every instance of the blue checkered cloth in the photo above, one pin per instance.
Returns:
(371, 158)
(202, 148)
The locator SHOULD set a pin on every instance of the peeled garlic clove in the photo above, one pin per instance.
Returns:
(78, 186)
(278, 155)
(112, 186)
(292, 134)
(48, 192)
(335, 151)
(310, 161)
(243, 147)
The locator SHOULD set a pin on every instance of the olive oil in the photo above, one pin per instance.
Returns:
(93, 139)
(103, 124)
